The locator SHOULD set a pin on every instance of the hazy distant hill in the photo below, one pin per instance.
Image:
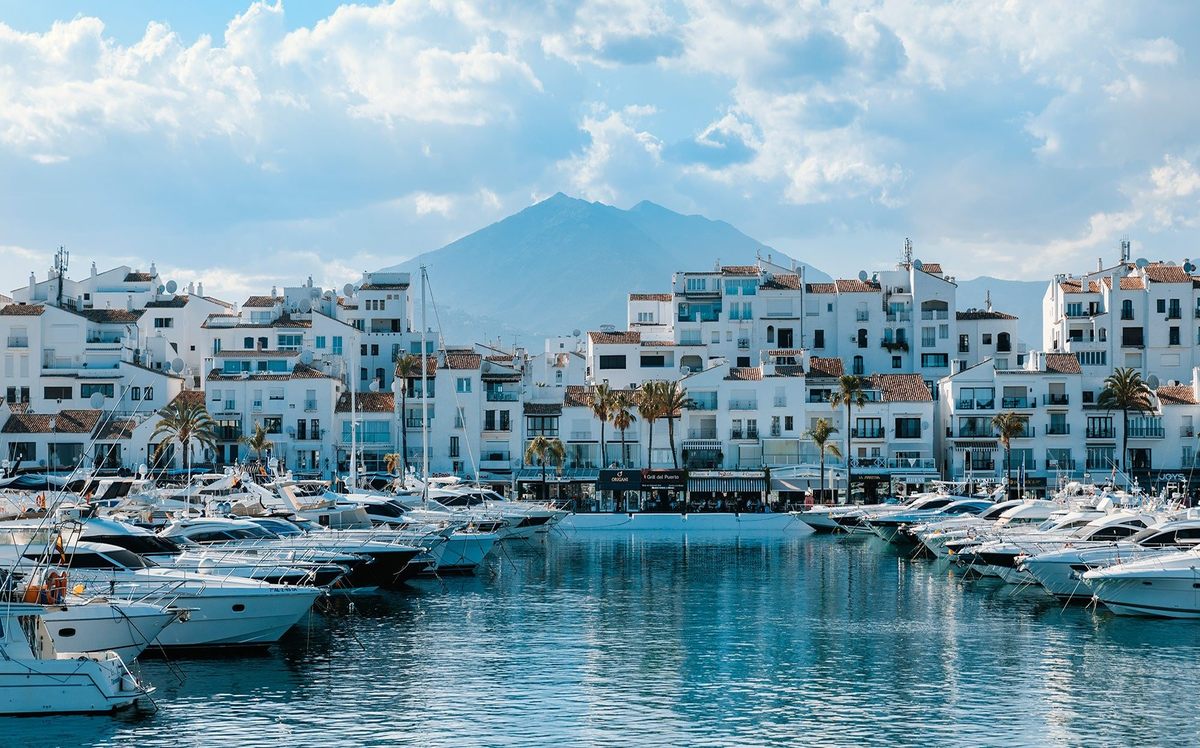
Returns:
(1022, 298)
(566, 264)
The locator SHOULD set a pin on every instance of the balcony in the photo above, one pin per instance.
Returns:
(312, 435)
(928, 314)
(894, 345)
(1187, 432)
(702, 433)
(539, 432)
(501, 396)
(1016, 402)
(18, 342)
(743, 345)
(861, 316)
(966, 404)
(781, 402)
(1058, 429)
(923, 464)
(1127, 314)
(310, 405)
(738, 434)
(415, 423)
(976, 433)
(495, 457)
(816, 399)
(1146, 432)
(708, 403)
(1065, 465)
(1056, 399)
(580, 436)
(1101, 432)
(985, 467)
(867, 432)
(743, 405)
(899, 316)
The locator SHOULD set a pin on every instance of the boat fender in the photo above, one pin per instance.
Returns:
(129, 683)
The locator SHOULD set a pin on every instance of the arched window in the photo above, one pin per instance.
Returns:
(1004, 344)
(558, 377)
(770, 333)
(862, 337)
(379, 375)
(858, 365)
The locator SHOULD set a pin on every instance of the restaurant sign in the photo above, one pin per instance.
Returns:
(619, 480)
(676, 479)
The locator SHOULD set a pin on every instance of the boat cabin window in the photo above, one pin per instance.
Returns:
(995, 511)
(79, 560)
(279, 527)
(128, 559)
(384, 509)
(1114, 532)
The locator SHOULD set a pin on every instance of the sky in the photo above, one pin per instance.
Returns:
(245, 145)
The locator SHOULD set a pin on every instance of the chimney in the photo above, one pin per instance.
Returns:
(93, 269)
(191, 288)
(199, 289)
(32, 285)
(129, 303)
(153, 270)
(1099, 264)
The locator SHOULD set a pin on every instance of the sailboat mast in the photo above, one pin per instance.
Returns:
(353, 432)
(424, 395)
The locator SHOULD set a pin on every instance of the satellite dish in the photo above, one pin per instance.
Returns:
(177, 364)
(96, 401)
(1171, 263)
(1189, 267)
(314, 292)
(1141, 262)
(305, 305)
(328, 295)
(374, 386)
(862, 275)
(1152, 381)
(348, 290)
(306, 357)
(576, 333)
(172, 286)
(918, 264)
(162, 288)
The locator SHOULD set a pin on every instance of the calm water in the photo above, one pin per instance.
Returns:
(711, 639)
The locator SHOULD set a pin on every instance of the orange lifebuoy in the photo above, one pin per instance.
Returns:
(41, 501)
(56, 587)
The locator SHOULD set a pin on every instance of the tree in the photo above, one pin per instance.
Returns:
(622, 419)
(602, 403)
(1008, 426)
(545, 450)
(673, 399)
(821, 432)
(1124, 390)
(849, 393)
(185, 423)
(407, 367)
(648, 408)
(391, 461)
(258, 442)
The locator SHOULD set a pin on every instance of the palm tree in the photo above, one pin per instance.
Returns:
(622, 419)
(821, 432)
(602, 403)
(849, 393)
(185, 423)
(1124, 390)
(673, 399)
(545, 450)
(258, 443)
(407, 366)
(648, 409)
(1008, 426)
(391, 461)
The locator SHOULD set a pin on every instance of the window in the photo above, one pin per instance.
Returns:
(896, 362)
(462, 384)
(1161, 306)
(379, 374)
(612, 362)
(650, 361)
(818, 338)
(320, 344)
(964, 343)
(362, 373)
(337, 345)
(558, 377)
(908, 428)
(58, 393)
(868, 428)
(1092, 358)
(454, 446)
(273, 424)
(87, 390)
(460, 417)
(1173, 336)
(645, 316)
(1127, 309)
(248, 343)
(935, 360)
(943, 332)
(374, 349)
(163, 322)
(788, 423)
(1131, 336)
(542, 425)
(362, 349)
(858, 365)
(987, 338)
(928, 337)
(135, 393)
(290, 342)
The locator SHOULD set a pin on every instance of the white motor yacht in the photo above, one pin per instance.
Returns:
(1166, 586)
(98, 625)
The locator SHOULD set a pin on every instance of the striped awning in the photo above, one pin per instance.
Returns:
(727, 485)
(985, 445)
(706, 444)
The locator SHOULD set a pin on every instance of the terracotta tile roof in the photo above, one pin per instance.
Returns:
(123, 316)
(820, 287)
(825, 367)
(900, 388)
(176, 302)
(262, 301)
(650, 297)
(614, 338)
(543, 409)
(190, 397)
(740, 270)
(22, 310)
(1062, 363)
(463, 360)
(301, 371)
(138, 277)
(117, 428)
(367, 402)
(577, 397)
(1076, 286)
(500, 358)
(933, 268)
(789, 371)
(856, 286)
(982, 314)
(745, 373)
(65, 422)
(1176, 395)
(1162, 273)
(1132, 283)
(783, 281)
(383, 287)
(659, 343)
(19, 407)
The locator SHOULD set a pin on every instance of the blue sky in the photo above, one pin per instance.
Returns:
(245, 144)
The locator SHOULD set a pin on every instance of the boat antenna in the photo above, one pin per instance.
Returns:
(424, 397)
(353, 430)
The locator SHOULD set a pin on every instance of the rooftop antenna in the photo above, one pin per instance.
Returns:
(61, 259)
(908, 251)
(1125, 249)
(988, 299)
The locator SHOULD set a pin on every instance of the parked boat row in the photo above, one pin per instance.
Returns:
(1132, 553)
(120, 568)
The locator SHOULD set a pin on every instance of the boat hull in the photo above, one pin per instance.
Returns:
(99, 627)
(73, 685)
(716, 521)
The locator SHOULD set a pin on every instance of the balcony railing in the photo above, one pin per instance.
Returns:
(16, 342)
(495, 457)
(1187, 432)
(743, 345)
(736, 434)
(966, 404)
(861, 316)
(1016, 402)
(704, 403)
(1060, 464)
(1056, 399)
(702, 433)
(935, 314)
(415, 423)
(310, 405)
(1058, 429)
(976, 433)
(781, 402)
(986, 466)
(1126, 314)
(743, 405)
(502, 428)
(894, 345)
(501, 396)
(581, 435)
(1146, 432)
(539, 432)
(869, 432)
(899, 316)
(1101, 432)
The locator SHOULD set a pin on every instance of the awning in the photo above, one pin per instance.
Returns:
(727, 485)
(702, 444)
(797, 484)
(966, 446)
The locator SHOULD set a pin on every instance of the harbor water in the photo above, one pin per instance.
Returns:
(621, 638)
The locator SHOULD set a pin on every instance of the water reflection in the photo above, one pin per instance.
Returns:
(708, 639)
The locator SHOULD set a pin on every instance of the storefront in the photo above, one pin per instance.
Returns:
(727, 490)
(664, 490)
(618, 490)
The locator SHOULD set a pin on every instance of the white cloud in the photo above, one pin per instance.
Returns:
(617, 153)
(425, 203)
(1160, 51)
